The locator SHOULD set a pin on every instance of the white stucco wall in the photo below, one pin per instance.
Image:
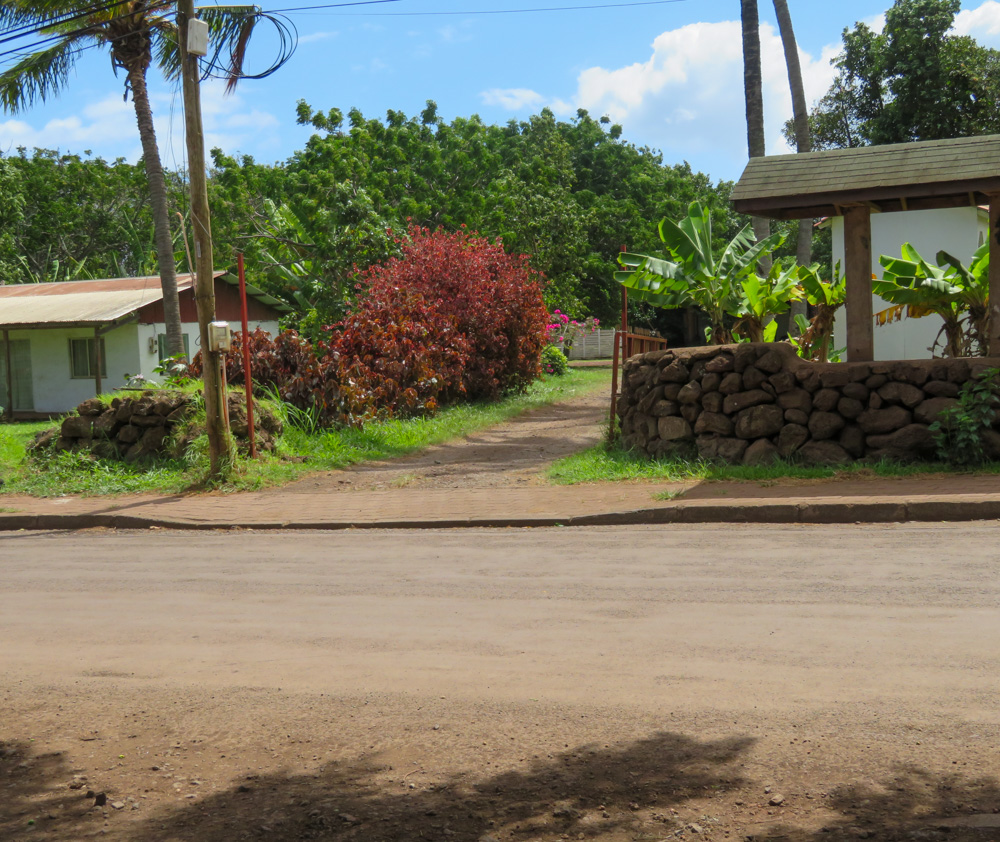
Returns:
(959, 231)
(53, 386)
(131, 349)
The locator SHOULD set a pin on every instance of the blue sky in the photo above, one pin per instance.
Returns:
(670, 73)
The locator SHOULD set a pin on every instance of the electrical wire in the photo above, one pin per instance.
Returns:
(67, 17)
(471, 12)
(288, 42)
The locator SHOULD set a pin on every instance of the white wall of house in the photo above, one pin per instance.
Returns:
(54, 388)
(130, 350)
(959, 231)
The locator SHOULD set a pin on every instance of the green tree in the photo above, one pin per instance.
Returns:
(913, 81)
(135, 33)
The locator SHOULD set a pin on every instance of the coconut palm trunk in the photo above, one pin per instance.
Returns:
(159, 207)
(803, 140)
(754, 95)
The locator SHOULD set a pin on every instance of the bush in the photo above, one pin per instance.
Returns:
(554, 361)
(960, 430)
(453, 317)
(308, 376)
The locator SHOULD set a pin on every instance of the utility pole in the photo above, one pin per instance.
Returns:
(219, 442)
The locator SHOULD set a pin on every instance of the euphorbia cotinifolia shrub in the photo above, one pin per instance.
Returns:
(452, 317)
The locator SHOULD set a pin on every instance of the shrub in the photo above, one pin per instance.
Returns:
(454, 316)
(307, 376)
(554, 361)
(960, 430)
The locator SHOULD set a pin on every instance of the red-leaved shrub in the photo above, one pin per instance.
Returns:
(454, 316)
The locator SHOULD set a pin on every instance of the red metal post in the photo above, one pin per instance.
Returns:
(247, 380)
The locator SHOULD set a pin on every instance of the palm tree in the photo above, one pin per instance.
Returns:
(753, 91)
(135, 32)
(800, 117)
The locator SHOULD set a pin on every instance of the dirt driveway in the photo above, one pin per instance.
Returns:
(793, 683)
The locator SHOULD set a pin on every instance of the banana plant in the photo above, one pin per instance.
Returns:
(693, 275)
(826, 297)
(957, 294)
(765, 298)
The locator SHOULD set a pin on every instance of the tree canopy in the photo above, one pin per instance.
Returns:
(912, 81)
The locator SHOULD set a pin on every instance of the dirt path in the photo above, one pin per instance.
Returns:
(509, 454)
(782, 683)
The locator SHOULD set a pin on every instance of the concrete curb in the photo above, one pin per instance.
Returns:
(777, 512)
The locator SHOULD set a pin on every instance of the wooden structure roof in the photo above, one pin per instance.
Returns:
(898, 177)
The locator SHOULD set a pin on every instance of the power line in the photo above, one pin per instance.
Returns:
(336, 5)
(37, 27)
(476, 11)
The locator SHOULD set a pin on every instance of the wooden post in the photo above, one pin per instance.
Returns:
(994, 320)
(219, 442)
(9, 407)
(858, 273)
(97, 361)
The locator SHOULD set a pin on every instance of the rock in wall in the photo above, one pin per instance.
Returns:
(753, 403)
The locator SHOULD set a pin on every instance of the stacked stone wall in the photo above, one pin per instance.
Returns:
(753, 403)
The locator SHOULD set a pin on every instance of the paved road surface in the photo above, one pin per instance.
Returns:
(827, 657)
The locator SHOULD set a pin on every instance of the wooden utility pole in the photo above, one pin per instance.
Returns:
(219, 442)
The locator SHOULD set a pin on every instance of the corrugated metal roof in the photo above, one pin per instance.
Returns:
(96, 302)
(929, 169)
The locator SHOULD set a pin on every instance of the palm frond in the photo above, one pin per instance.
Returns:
(38, 76)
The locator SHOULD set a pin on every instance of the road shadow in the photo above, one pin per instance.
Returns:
(911, 806)
(35, 797)
(587, 790)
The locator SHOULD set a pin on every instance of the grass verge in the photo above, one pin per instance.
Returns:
(612, 464)
(300, 451)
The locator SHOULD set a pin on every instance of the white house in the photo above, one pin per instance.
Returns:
(48, 335)
(958, 231)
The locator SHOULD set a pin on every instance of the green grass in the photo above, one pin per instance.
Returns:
(299, 452)
(612, 464)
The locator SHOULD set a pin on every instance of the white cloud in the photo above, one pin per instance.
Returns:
(107, 127)
(316, 36)
(980, 23)
(687, 98)
(513, 99)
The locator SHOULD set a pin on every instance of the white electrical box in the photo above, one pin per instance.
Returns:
(219, 336)
(197, 37)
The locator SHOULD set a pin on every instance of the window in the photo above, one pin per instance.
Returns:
(161, 342)
(83, 361)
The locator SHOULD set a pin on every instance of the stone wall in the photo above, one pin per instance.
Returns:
(752, 403)
(139, 427)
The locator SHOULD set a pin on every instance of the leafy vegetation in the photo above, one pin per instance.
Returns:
(957, 294)
(302, 448)
(912, 81)
(697, 274)
(961, 430)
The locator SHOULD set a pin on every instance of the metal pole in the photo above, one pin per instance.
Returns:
(247, 380)
(219, 442)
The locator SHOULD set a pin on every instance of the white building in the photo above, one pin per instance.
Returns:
(958, 231)
(49, 335)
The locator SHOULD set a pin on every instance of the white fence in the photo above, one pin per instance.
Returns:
(599, 344)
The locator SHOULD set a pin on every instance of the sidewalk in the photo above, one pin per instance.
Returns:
(934, 498)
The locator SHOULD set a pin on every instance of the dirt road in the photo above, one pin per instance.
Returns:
(796, 683)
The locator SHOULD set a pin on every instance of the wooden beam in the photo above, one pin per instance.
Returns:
(9, 408)
(97, 360)
(994, 276)
(858, 274)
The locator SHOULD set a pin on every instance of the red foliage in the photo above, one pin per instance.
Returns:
(304, 375)
(454, 316)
